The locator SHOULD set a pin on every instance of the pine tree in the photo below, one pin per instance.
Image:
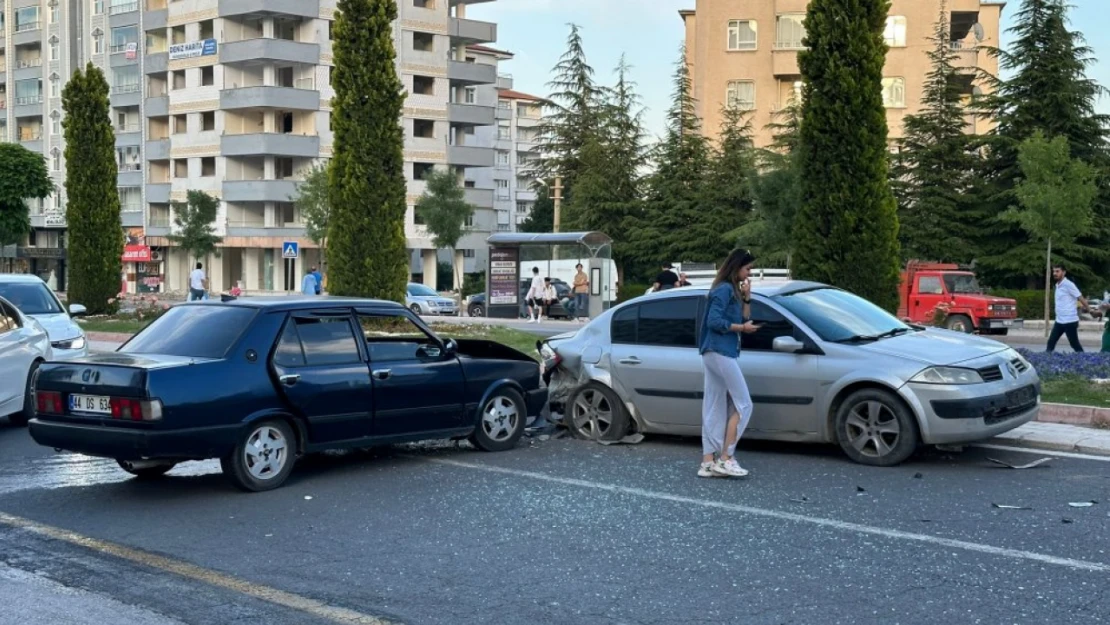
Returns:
(932, 172)
(847, 228)
(542, 216)
(93, 206)
(732, 180)
(367, 188)
(1047, 90)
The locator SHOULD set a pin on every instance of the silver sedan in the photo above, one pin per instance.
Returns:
(825, 367)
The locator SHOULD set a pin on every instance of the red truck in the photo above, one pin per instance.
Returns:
(927, 286)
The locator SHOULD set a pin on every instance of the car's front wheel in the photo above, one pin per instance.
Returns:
(960, 323)
(145, 472)
(21, 418)
(501, 422)
(597, 413)
(874, 427)
(476, 311)
(415, 308)
(264, 457)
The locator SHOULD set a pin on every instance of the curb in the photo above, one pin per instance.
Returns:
(1079, 447)
(108, 337)
(1084, 326)
(1074, 415)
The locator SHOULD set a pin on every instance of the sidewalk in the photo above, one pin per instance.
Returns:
(1057, 437)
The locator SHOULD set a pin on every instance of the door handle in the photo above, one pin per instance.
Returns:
(289, 379)
(629, 361)
(382, 374)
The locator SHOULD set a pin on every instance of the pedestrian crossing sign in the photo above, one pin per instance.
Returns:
(290, 249)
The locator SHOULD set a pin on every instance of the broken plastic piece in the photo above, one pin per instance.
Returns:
(631, 439)
(1003, 506)
(1082, 504)
(1035, 463)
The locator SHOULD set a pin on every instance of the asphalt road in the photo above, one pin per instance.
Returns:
(557, 531)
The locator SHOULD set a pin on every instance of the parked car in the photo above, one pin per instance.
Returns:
(257, 382)
(926, 286)
(826, 367)
(423, 300)
(24, 345)
(34, 299)
(476, 305)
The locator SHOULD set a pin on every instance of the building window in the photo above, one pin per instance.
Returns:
(208, 166)
(208, 121)
(26, 18)
(423, 42)
(504, 105)
(420, 171)
(98, 42)
(790, 31)
(424, 4)
(123, 37)
(502, 189)
(98, 7)
(55, 86)
(53, 12)
(180, 124)
(55, 123)
(181, 168)
(55, 49)
(207, 76)
(504, 132)
(742, 35)
(740, 94)
(468, 253)
(56, 159)
(895, 32)
(894, 92)
(502, 158)
(470, 96)
(423, 85)
(424, 128)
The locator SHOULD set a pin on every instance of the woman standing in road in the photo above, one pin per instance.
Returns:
(727, 405)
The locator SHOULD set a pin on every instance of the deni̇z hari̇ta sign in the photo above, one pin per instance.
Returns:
(204, 47)
(503, 282)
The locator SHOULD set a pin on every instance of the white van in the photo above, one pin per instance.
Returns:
(565, 270)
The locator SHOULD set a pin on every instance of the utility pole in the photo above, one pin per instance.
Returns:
(558, 202)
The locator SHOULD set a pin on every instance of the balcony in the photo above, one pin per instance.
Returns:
(253, 50)
(158, 150)
(27, 63)
(28, 100)
(526, 146)
(480, 198)
(155, 19)
(127, 95)
(259, 190)
(157, 106)
(287, 98)
(278, 144)
(966, 54)
(156, 62)
(463, 73)
(128, 138)
(28, 26)
(469, 32)
(470, 114)
(785, 63)
(301, 8)
(469, 157)
(120, 48)
(159, 193)
(504, 81)
(126, 7)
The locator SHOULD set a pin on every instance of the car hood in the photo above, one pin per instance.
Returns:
(59, 327)
(936, 347)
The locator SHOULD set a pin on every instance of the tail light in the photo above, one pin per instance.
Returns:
(136, 409)
(48, 402)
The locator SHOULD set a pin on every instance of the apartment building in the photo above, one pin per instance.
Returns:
(233, 97)
(514, 140)
(745, 54)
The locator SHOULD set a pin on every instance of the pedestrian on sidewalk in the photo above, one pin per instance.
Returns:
(1106, 327)
(667, 279)
(198, 284)
(319, 280)
(1068, 300)
(581, 293)
(726, 404)
(309, 286)
(534, 297)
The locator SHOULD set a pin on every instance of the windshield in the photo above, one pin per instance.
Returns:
(192, 332)
(961, 283)
(420, 290)
(31, 298)
(839, 316)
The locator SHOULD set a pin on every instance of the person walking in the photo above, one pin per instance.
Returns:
(581, 293)
(667, 279)
(198, 283)
(726, 403)
(309, 286)
(1068, 300)
(534, 297)
(319, 280)
(1104, 307)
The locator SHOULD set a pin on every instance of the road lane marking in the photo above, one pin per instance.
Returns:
(1080, 565)
(1044, 452)
(199, 574)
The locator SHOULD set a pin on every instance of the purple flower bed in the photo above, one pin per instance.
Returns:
(1089, 365)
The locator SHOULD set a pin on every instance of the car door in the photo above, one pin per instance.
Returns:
(418, 387)
(783, 386)
(16, 354)
(656, 360)
(320, 370)
(928, 294)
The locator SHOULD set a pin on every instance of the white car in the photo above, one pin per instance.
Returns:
(34, 299)
(24, 345)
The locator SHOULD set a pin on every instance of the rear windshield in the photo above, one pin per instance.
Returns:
(192, 332)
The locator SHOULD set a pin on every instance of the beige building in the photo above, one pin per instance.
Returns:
(746, 53)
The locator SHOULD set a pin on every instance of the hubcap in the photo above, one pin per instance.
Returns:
(592, 414)
(873, 429)
(500, 418)
(266, 452)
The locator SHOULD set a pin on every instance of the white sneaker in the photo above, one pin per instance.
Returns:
(730, 468)
(706, 470)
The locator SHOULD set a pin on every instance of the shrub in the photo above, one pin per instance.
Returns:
(1030, 304)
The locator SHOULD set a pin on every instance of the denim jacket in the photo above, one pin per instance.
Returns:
(724, 309)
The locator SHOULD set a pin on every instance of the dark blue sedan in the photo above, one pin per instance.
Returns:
(258, 382)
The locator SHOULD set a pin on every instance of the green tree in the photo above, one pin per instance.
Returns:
(22, 175)
(542, 216)
(932, 171)
(847, 228)
(732, 182)
(1047, 89)
(92, 181)
(195, 225)
(312, 202)
(367, 188)
(1055, 193)
(444, 210)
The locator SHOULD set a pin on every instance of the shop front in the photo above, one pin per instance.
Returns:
(142, 265)
(48, 263)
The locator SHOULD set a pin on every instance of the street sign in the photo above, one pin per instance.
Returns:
(290, 249)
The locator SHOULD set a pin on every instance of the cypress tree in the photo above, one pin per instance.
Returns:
(367, 188)
(847, 227)
(93, 207)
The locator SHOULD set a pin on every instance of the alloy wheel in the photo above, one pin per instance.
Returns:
(500, 418)
(592, 415)
(873, 429)
(266, 452)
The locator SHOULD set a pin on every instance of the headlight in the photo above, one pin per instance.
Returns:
(77, 343)
(948, 375)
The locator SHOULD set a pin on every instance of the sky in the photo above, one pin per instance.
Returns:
(649, 33)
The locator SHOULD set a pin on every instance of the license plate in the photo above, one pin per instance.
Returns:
(1022, 396)
(1008, 322)
(90, 403)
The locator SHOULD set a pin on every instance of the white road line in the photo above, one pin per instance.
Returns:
(1045, 452)
(1079, 565)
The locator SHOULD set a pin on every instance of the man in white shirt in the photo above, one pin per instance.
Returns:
(1068, 299)
(198, 283)
(535, 297)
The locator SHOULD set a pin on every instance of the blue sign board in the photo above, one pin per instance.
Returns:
(290, 249)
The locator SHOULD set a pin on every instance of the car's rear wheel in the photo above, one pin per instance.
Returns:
(597, 413)
(263, 459)
(21, 418)
(476, 311)
(874, 427)
(501, 421)
(960, 323)
(145, 472)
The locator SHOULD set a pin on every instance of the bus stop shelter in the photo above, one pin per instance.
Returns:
(512, 256)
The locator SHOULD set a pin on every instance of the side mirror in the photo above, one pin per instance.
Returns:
(450, 348)
(787, 345)
(77, 310)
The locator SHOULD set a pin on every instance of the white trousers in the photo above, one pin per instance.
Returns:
(726, 392)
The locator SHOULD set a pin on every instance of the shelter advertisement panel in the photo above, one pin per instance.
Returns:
(504, 287)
